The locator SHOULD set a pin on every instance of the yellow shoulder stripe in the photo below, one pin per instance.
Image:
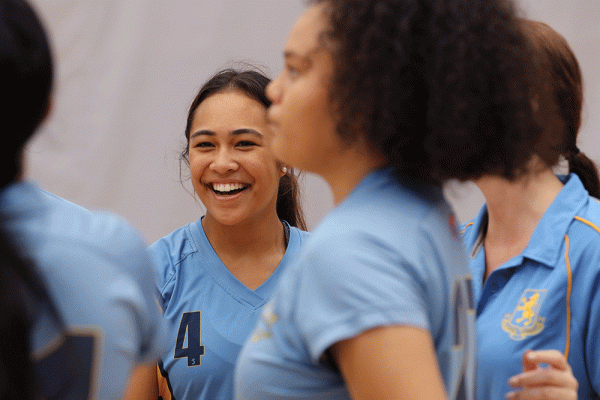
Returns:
(467, 225)
(588, 223)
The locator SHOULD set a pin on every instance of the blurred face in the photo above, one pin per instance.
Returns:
(300, 116)
(233, 170)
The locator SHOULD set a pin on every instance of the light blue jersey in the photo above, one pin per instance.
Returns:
(209, 312)
(99, 276)
(385, 256)
(548, 297)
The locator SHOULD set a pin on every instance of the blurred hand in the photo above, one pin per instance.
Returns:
(553, 381)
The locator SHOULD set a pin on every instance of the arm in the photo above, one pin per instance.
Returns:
(391, 362)
(538, 383)
(143, 384)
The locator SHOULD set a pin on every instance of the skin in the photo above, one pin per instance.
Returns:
(554, 382)
(142, 383)
(230, 145)
(514, 210)
(302, 116)
(392, 362)
(396, 362)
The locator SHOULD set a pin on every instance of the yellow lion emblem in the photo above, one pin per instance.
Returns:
(525, 319)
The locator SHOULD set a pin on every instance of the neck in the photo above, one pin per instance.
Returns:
(350, 166)
(247, 237)
(252, 250)
(514, 210)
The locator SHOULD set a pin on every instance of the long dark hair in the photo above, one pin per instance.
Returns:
(26, 76)
(567, 91)
(442, 88)
(253, 84)
(17, 378)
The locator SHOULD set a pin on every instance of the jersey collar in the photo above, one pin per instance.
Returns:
(545, 245)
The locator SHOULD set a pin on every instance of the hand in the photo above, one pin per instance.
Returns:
(556, 381)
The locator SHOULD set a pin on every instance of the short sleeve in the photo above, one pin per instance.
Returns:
(133, 290)
(352, 283)
(164, 271)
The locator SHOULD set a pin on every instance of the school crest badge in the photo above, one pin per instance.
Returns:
(525, 319)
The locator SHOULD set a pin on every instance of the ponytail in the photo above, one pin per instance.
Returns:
(586, 170)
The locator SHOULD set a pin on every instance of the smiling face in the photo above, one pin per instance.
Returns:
(232, 167)
(303, 125)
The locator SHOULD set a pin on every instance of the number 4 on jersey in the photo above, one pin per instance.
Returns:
(189, 332)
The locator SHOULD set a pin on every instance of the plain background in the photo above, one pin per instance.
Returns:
(127, 70)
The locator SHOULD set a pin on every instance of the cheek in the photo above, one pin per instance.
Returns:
(197, 167)
(311, 110)
(264, 169)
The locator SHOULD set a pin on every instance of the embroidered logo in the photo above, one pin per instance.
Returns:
(525, 319)
(267, 319)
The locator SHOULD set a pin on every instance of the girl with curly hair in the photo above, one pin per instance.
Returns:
(386, 100)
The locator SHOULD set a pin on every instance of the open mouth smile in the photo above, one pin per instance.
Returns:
(225, 189)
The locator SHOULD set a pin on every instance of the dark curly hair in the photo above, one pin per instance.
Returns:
(567, 92)
(441, 87)
(253, 84)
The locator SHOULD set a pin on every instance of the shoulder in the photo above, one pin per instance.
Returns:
(298, 235)
(470, 230)
(388, 212)
(103, 234)
(59, 230)
(386, 232)
(59, 202)
(66, 222)
(169, 252)
(467, 227)
(174, 247)
(586, 223)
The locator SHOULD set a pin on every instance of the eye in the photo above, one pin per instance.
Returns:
(246, 143)
(292, 71)
(203, 145)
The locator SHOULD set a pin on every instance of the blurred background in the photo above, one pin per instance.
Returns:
(127, 70)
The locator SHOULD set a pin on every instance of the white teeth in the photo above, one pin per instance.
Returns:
(227, 187)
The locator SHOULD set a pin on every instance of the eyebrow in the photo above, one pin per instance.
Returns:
(322, 44)
(303, 57)
(235, 132)
(293, 54)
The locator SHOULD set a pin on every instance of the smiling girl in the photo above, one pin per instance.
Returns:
(214, 275)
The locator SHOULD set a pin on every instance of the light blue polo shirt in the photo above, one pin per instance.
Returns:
(546, 298)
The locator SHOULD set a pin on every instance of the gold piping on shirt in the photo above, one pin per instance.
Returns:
(568, 299)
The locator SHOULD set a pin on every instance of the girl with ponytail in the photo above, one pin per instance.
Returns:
(535, 251)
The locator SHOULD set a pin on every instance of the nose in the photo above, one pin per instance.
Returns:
(273, 90)
(223, 162)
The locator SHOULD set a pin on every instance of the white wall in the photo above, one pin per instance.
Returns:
(128, 69)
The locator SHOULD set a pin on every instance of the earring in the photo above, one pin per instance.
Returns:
(284, 169)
